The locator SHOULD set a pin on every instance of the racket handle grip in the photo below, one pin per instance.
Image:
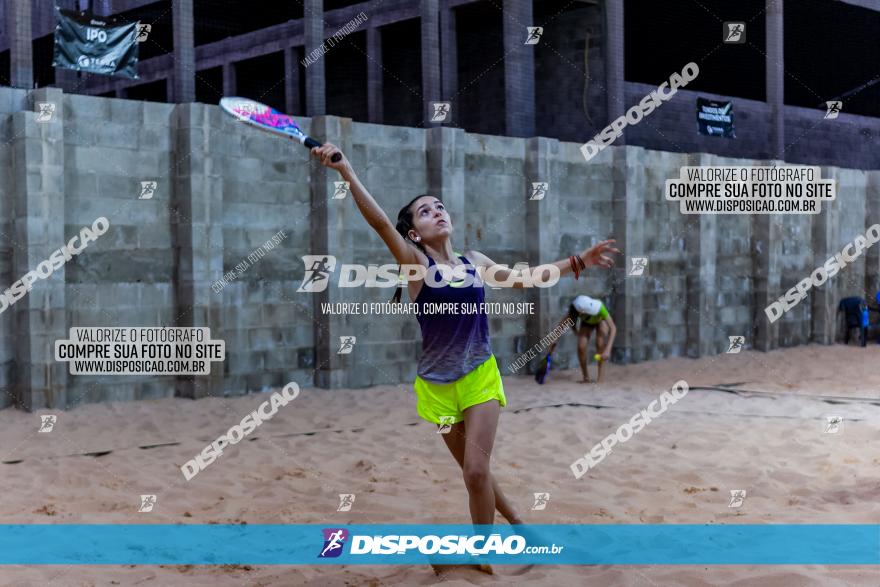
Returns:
(312, 143)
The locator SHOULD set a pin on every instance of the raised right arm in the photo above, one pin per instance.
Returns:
(404, 252)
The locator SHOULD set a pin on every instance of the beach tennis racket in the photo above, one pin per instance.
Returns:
(542, 371)
(270, 120)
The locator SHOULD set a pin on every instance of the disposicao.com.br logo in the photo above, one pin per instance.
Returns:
(334, 541)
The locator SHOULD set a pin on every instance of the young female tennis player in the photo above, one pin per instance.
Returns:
(458, 382)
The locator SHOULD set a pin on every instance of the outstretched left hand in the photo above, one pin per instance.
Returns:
(599, 254)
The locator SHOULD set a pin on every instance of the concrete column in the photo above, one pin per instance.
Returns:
(198, 235)
(184, 52)
(628, 211)
(18, 32)
(615, 90)
(767, 271)
(542, 224)
(825, 240)
(701, 248)
(872, 255)
(326, 213)
(39, 318)
(230, 83)
(375, 107)
(519, 70)
(775, 64)
(446, 169)
(430, 15)
(449, 52)
(292, 55)
(316, 83)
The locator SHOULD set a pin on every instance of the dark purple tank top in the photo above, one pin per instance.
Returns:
(453, 345)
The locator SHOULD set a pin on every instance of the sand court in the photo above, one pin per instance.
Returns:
(766, 436)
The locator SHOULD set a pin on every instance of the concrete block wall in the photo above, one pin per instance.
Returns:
(224, 190)
(125, 277)
(730, 306)
(853, 214)
(9, 102)
(495, 209)
(846, 219)
(795, 262)
(391, 161)
(583, 195)
(664, 294)
(7, 323)
(264, 190)
(36, 199)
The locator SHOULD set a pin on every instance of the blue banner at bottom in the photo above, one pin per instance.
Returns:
(394, 544)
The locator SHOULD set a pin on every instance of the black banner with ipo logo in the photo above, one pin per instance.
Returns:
(84, 42)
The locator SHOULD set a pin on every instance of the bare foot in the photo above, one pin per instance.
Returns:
(588, 380)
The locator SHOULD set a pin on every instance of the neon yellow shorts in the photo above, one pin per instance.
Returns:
(445, 403)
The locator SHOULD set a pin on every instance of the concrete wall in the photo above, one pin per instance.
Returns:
(10, 101)
(125, 277)
(224, 189)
